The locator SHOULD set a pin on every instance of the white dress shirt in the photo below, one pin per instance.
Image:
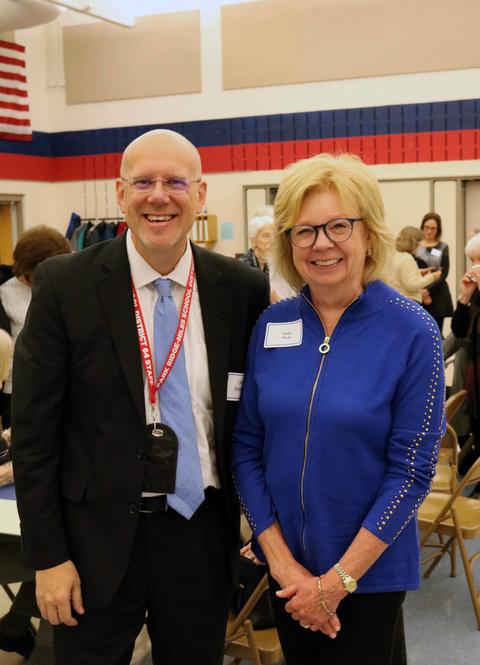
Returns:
(143, 276)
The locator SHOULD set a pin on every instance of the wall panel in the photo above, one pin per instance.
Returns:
(280, 42)
(159, 56)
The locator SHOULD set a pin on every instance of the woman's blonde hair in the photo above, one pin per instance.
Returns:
(350, 179)
(408, 239)
(6, 352)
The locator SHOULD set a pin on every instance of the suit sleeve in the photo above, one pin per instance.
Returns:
(418, 424)
(461, 320)
(40, 375)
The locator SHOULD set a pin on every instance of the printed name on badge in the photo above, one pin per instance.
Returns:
(234, 386)
(287, 333)
(435, 252)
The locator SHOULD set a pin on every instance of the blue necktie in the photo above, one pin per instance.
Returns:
(176, 405)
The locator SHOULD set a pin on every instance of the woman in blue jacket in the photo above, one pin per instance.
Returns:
(339, 424)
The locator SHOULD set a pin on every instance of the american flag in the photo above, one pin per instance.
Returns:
(14, 109)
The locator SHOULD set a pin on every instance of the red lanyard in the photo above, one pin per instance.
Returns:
(144, 342)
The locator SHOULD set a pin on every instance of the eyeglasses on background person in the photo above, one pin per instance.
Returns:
(336, 230)
(170, 185)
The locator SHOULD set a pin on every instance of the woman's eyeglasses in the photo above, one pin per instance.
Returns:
(336, 230)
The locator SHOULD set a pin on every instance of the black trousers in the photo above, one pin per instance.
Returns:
(177, 582)
(12, 570)
(475, 428)
(367, 636)
(474, 452)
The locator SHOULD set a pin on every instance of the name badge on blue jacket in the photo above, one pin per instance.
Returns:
(287, 333)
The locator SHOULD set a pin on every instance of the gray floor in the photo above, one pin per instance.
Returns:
(439, 621)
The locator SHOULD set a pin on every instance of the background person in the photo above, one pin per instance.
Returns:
(466, 326)
(33, 247)
(260, 233)
(434, 253)
(16, 633)
(118, 537)
(6, 353)
(405, 275)
(331, 473)
(260, 256)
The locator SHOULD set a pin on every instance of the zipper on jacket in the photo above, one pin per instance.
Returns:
(324, 348)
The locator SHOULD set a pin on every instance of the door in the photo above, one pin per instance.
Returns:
(6, 234)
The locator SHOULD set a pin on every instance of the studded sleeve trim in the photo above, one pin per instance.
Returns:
(418, 425)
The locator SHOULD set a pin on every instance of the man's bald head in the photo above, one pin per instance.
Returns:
(161, 217)
(161, 140)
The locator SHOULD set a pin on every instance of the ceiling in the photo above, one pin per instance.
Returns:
(19, 14)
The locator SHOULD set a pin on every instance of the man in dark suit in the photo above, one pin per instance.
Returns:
(109, 549)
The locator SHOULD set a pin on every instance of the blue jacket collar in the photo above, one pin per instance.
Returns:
(373, 299)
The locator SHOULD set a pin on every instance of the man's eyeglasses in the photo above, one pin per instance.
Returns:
(170, 185)
(336, 230)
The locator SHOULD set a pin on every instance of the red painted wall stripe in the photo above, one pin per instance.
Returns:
(386, 149)
(21, 167)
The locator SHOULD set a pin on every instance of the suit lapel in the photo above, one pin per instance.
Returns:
(216, 304)
(115, 293)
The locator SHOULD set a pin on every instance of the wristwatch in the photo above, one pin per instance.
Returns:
(349, 584)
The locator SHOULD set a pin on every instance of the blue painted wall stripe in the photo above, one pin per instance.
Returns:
(368, 121)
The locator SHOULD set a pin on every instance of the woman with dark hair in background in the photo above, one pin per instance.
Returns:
(434, 253)
(33, 247)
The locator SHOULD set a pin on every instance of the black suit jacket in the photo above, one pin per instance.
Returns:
(78, 407)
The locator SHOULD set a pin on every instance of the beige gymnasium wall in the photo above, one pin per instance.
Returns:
(45, 43)
(53, 203)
